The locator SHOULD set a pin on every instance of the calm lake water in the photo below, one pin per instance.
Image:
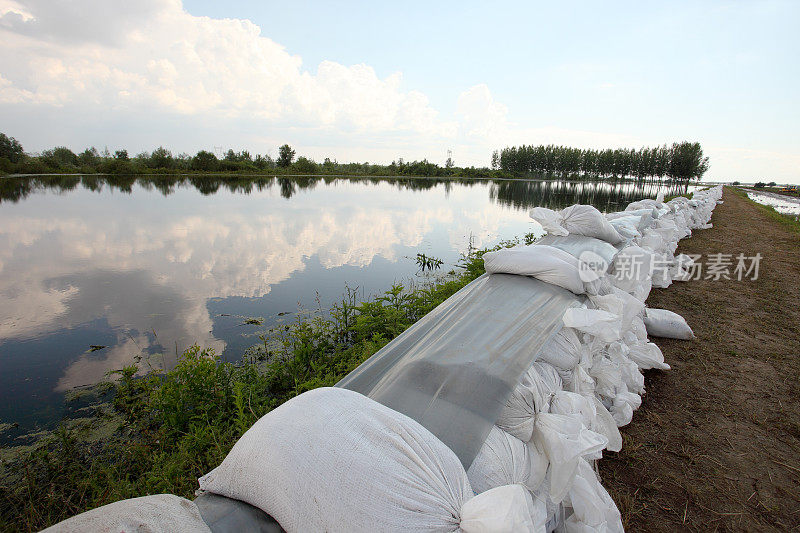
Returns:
(149, 266)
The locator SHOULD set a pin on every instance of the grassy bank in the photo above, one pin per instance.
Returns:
(157, 433)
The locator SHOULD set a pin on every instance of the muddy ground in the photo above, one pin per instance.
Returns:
(716, 443)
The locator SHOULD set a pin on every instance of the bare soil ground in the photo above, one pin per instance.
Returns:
(716, 443)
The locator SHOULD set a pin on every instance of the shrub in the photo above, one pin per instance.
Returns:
(60, 158)
(304, 165)
(160, 158)
(205, 161)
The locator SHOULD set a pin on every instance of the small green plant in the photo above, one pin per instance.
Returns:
(425, 262)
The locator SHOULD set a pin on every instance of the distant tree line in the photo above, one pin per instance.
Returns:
(682, 161)
(62, 160)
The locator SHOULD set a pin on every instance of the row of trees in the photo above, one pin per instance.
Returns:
(13, 159)
(681, 161)
(61, 159)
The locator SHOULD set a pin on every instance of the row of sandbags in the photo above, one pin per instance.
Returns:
(587, 380)
(334, 460)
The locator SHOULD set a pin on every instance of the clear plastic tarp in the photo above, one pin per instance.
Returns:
(453, 370)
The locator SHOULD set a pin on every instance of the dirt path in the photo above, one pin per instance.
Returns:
(716, 444)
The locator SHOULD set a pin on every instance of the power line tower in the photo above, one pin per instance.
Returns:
(449, 162)
(218, 151)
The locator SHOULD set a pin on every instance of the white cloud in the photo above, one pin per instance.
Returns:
(154, 56)
(159, 75)
(480, 115)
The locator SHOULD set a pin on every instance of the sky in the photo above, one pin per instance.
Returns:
(376, 81)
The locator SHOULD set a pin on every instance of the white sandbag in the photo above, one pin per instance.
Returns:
(646, 204)
(632, 267)
(619, 353)
(625, 403)
(549, 220)
(642, 290)
(607, 377)
(586, 220)
(563, 351)
(506, 508)
(530, 396)
(661, 278)
(576, 219)
(592, 508)
(602, 324)
(648, 213)
(633, 399)
(148, 514)
(638, 329)
(549, 376)
(581, 382)
(606, 425)
(572, 403)
(334, 460)
(622, 412)
(505, 460)
(667, 229)
(681, 268)
(546, 263)
(626, 227)
(647, 355)
(651, 240)
(664, 323)
(620, 303)
(633, 221)
(591, 412)
(565, 440)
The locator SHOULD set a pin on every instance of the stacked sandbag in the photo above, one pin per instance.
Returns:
(665, 323)
(546, 263)
(590, 373)
(577, 220)
(334, 460)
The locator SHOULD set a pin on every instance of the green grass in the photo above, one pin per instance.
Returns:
(159, 432)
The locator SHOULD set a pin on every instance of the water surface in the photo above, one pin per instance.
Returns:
(786, 205)
(149, 266)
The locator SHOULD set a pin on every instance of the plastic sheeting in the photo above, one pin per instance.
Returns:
(226, 515)
(454, 369)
